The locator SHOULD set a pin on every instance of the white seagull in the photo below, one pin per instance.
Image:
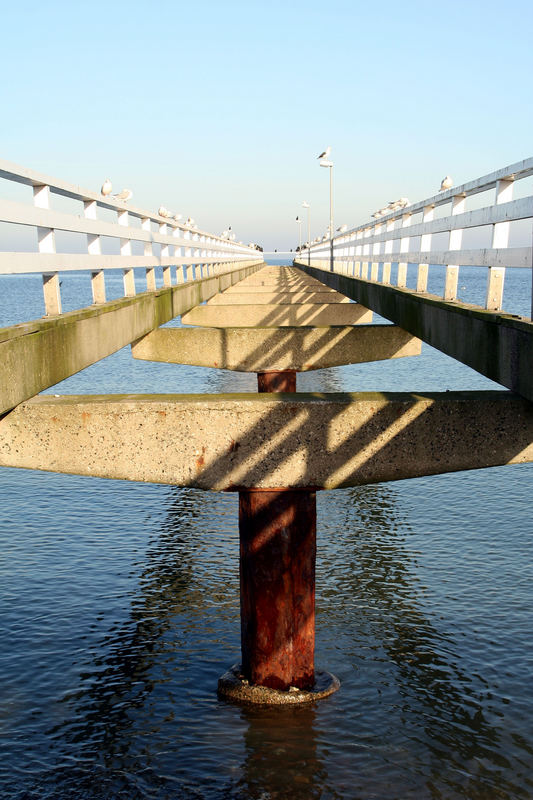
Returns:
(177, 217)
(124, 195)
(325, 154)
(107, 187)
(446, 183)
(163, 212)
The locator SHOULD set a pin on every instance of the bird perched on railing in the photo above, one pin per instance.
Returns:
(446, 183)
(177, 217)
(124, 195)
(342, 228)
(325, 154)
(162, 211)
(107, 187)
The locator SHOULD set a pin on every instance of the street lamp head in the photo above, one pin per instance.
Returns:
(305, 204)
(325, 163)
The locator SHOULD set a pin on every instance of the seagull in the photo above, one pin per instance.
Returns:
(124, 195)
(107, 187)
(342, 228)
(163, 212)
(446, 183)
(377, 214)
(325, 154)
(403, 202)
(177, 217)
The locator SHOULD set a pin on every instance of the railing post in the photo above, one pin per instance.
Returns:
(94, 248)
(425, 247)
(455, 241)
(500, 240)
(165, 254)
(146, 225)
(422, 278)
(401, 281)
(129, 282)
(404, 248)
(52, 296)
(46, 240)
(386, 272)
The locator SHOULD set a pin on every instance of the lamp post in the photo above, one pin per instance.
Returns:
(325, 162)
(299, 223)
(306, 205)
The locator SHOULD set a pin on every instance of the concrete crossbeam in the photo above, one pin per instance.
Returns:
(244, 286)
(498, 345)
(265, 349)
(231, 442)
(276, 298)
(273, 315)
(39, 354)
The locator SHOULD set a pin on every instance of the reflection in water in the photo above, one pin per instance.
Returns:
(282, 758)
(464, 741)
(408, 722)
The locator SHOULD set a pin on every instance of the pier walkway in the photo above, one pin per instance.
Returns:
(279, 446)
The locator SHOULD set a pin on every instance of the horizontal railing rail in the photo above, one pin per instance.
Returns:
(180, 247)
(369, 250)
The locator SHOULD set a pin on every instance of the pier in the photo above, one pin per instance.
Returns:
(279, 446)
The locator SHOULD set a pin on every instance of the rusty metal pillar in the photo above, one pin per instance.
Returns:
(277, 572)
(277, 381)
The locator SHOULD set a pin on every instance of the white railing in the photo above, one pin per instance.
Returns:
(181, 247)
(369, 250)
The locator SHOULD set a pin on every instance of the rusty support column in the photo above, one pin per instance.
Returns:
(277, 381)
(277, 573)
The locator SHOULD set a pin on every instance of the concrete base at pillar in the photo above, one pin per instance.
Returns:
(234, 686)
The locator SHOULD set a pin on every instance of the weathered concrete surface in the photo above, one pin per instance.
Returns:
(39, 354)
(276, 298)
(275, 316)
(498, 345)
(263, 349)
(234, 686)
(306, 288)
(268, 441)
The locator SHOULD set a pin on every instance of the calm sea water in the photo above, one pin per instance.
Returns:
(120, 610)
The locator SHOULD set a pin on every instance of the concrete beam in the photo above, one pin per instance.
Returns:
(230, 442)
(39, 354)
(300, 288)
(280, 297)
(498, 345)
(275, 316)
(265, 349)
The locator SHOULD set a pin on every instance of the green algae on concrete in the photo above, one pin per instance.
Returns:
(495, 344)
(41, 353)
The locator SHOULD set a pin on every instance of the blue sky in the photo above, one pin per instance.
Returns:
(219, 109)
